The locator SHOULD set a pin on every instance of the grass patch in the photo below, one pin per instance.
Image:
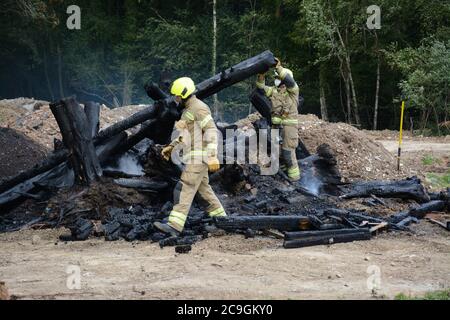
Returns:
(439, 180)
(428, 160)
(434, 295)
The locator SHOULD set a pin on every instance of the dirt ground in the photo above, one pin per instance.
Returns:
(36, 266)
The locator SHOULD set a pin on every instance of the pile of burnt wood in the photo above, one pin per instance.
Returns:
(303, 213)
(299, 228)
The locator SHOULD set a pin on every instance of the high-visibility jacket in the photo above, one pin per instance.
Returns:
(198, 130)
(284, 105)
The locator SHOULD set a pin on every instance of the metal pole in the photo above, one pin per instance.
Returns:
(400, 137)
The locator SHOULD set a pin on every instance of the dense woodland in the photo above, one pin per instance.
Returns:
(347, 72)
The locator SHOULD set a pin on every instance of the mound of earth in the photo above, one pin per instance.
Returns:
(36, 121)
(359, 155)
(18, 152)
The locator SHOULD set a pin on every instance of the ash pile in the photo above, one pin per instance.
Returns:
(113, 184)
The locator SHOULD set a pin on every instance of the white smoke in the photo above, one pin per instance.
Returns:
(128, 164)
(312, 184)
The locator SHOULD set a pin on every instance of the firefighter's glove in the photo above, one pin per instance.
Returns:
(213, 164)
(167, 152)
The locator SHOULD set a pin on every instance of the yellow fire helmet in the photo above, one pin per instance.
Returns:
(183, 87)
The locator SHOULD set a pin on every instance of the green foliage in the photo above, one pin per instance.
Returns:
(123, 44)
(428, 160)
(439, 181)
(434, 295)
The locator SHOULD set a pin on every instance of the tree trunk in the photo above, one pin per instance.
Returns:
(127, 88)
(377, 91)
(355, 101)
(214, 57)
(349, 72)
(47, 78)
(323, 104)
(377, 94)
(348, 96)
(60, 80)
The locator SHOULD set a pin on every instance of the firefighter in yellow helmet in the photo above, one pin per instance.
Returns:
(284, 97)
(198, 136)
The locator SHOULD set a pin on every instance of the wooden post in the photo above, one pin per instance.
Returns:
(77, 137)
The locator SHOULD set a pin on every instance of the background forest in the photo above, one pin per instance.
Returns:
(347, 71)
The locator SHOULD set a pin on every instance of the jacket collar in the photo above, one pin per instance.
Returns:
(190, 101)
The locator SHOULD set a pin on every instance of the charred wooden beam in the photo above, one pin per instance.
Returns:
(92, 111)
(282, 223)
(50, 162)
(77, 138)
(137, 183)
(155, 92)
(410, 188)
(243, 70)
(262, 104)
(135, 119)
(324, 238)
(307, 234)
(419, 212)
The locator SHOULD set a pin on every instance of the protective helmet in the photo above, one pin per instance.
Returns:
(183, 87)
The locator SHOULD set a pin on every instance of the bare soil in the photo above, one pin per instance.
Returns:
(35, 266)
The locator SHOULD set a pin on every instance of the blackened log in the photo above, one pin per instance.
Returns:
(357, 235)
(155, 92)
(419, 212)
(262, 104)
(183, 248)
(92, 111)
(59, 176)
(410, 188)
(406, 222)
(432, 206)
(135, 119)
(44, 166)
(250, 67)
(308, 234)
(137, 183)
(77, 138)
(282, 223)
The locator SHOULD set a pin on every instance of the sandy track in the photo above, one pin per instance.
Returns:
(227, 267)
(411, 146)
